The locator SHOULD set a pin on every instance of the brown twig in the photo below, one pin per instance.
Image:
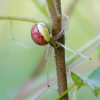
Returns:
(54, 7)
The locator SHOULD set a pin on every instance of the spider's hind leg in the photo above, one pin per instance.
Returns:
(48, 56)
(14, 40)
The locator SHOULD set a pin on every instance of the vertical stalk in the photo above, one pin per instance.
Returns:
(54, 8)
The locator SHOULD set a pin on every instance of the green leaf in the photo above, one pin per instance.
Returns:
(83, 81)
(95, 75)
(75, 78)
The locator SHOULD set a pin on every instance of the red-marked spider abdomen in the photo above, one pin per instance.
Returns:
(40, 34)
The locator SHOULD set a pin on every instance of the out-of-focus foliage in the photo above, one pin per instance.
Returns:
(17, 64)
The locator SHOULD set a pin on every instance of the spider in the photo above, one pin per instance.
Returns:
(41, 35)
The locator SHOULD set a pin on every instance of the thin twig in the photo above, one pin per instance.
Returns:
(21, 18)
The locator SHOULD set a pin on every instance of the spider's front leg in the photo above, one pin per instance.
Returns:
(73, 51)
(65, 26)
(62, 32)
(14, 40)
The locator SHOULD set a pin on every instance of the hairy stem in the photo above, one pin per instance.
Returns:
(54, 8)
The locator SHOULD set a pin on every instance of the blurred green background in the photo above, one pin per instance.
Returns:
(18, 65)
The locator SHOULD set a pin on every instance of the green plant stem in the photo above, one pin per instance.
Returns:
(67, 91)
(20, 18)
(75, 94)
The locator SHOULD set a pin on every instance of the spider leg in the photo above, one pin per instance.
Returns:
(73, 51)
(47, 52)
(64, 28)
(48, 56)
(14, 40)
